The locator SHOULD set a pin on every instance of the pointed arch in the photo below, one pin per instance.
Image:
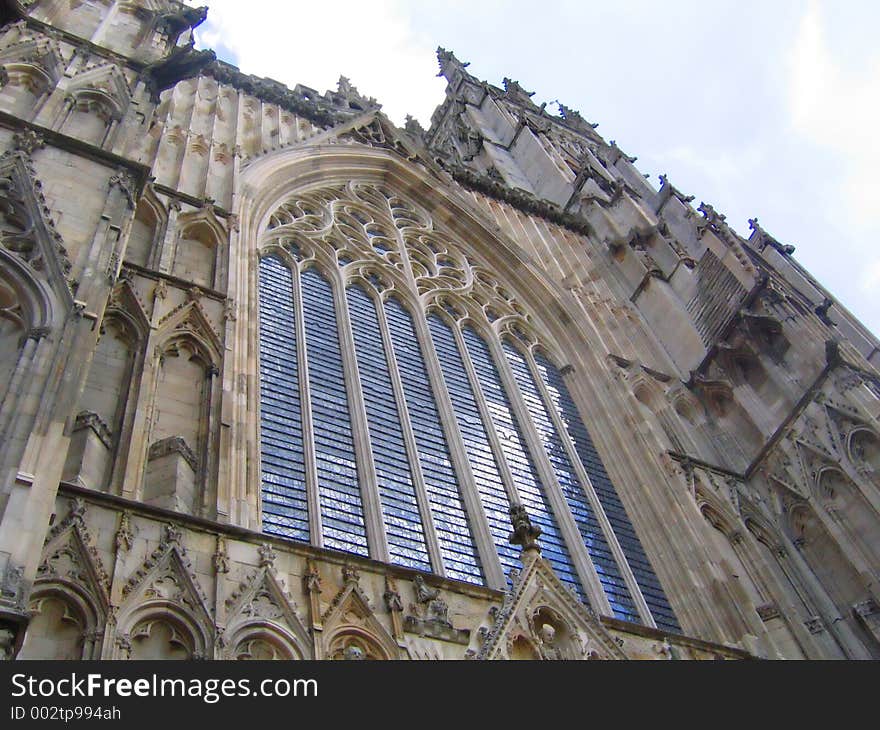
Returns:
(199, 249)
(147, 229)
(164, 595)
(352, 630)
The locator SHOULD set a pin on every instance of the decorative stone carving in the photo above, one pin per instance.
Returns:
(220, 559)
(524, 533)
(124, 533)
(539, 598)
(69, 555)
(168, 575)
(429, 616)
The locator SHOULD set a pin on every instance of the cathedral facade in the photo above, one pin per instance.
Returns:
(281, 380)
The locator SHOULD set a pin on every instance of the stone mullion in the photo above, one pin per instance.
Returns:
(316, 534)
(587, 485)
(412, 450)
(142, 431)
(16, 386)
(125, 418)
(564, 519)
(377, 540)
(507, 479)
(482, 535)
(211, 406)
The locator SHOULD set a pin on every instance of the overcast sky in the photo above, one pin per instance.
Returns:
(765, 108)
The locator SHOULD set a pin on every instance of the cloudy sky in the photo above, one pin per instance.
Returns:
(767, 109)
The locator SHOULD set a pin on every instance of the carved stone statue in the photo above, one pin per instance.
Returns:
(524, 532)
(7, 644)
(424, 594)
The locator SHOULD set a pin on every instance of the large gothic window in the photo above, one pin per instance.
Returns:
(407, 401)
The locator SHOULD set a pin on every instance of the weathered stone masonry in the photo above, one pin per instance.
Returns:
(734, 404)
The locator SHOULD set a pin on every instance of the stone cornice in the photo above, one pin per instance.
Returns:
(336, 557)
(139, 171)
(519, 199)
(275, 92)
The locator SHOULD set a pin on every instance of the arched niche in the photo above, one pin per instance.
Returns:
(263, 642)
(178, 437)
(64, 624)
(553, 635)
(863, 448)
(356, 645)
(149, 221)
(161, 629)
(852, 512)
(733, 551)
(13, 326)
(823, 555)
(103, 403)
(523, 649)
(196, 254)
(91, 114)
(161, 638)
(26, 86)
(25, 320)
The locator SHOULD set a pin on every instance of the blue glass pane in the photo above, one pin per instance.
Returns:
(400, 509)
(529, 487)
(450, 520)
(623, 529)
(285, 508)
(473, 432)
(591, 532)
(342, 519)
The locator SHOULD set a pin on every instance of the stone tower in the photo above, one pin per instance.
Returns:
(279, 379)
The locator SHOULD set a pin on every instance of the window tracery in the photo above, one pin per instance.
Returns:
(400, 378)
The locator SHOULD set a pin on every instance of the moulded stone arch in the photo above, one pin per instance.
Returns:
(166, 589)
(262, 640)
(149, 224)
(270, 180)
(198, 249)
(32, 250)
(863, 449)
(824, 556)
(261, 609)
(72, 632)
(161, 631)
(350, 622)
(25, 308)
(189, 323)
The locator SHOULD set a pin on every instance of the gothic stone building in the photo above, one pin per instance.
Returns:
(279, 379)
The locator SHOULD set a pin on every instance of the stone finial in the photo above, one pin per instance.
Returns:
(524, 532)
(392, 596)
(350, 574)
(413, 127)
(267, 555)
(312, 578)
(448, 62)
(424, 593)
(171, 534)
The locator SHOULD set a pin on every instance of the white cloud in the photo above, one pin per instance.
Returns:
(371, 43)
(838, 108)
